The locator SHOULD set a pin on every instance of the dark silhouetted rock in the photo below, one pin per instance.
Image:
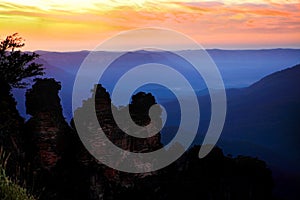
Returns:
(47, 127)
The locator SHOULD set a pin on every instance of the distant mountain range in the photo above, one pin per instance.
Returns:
(239, 68)
(263, 121)
(265, 114)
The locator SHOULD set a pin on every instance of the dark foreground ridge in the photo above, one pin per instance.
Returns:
(49, 157)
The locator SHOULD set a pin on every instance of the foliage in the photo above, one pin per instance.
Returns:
(15, 65)
(8, 189)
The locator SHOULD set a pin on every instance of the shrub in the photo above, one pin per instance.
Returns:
(8, 189)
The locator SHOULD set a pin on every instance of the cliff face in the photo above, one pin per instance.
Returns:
(47, 127)
(138, 109)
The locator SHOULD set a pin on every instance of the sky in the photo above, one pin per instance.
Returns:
(72, 25)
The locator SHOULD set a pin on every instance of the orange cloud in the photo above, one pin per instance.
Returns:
(213, 24)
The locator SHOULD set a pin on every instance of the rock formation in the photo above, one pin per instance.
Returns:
(47, 127)
(139, 108)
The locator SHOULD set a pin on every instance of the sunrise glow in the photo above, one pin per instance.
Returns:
(63, 25)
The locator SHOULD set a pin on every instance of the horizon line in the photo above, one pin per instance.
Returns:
(208, 49)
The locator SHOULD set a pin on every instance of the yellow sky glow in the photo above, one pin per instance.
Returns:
(63, 25)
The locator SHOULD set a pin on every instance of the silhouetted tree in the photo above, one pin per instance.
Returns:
(15, 65)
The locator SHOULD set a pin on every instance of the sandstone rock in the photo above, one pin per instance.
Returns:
(47, 127)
